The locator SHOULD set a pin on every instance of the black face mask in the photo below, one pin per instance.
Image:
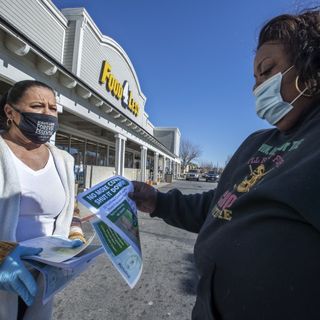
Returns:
(37, 127)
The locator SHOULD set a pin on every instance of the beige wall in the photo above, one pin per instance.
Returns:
(132, 174)
(96, 174)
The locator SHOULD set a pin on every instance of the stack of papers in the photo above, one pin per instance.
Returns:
(58, 263)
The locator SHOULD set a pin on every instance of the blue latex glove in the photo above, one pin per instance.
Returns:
(69, 243)
(14, 276)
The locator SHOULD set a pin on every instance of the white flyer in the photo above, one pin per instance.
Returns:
(53, 249)
(117, 225)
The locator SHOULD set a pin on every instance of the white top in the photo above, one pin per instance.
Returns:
(42, 199)
(10, 194)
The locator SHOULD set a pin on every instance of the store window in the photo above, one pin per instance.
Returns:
(102, 154)
(128, 160)
(112, 157)
(77, 150)
(62, 141)
(86, 152)
(149, 162)
(137, 161)
(4, 87)
(91, 153)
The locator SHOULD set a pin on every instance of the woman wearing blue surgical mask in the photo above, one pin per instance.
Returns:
(258, 246)
(36, 194)
(286, 86)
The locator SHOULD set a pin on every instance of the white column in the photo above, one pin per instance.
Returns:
(174, 169)
(120, 153)
(156, 167)
(164, 165)
(143, 162)
(160, 164)
(123, 155)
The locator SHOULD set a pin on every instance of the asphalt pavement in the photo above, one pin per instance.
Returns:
(166, 289)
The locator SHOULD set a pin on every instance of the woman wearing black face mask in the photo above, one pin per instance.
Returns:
(36, 193)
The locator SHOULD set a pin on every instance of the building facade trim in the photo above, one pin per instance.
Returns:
(70, 80)
(104, 40)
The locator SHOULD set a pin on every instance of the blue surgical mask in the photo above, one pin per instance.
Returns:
(269, 102)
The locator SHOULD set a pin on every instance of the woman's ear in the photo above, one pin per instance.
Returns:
(8, 111)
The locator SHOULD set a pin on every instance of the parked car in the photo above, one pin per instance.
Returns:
(212, 176)
(193, 175)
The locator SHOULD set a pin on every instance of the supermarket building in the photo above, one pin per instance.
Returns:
(102, 117)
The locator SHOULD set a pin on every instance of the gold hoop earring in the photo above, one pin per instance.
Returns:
(302, 92)
(9, 123)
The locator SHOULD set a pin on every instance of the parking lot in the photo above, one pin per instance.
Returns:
(167, 286)
(201, 179)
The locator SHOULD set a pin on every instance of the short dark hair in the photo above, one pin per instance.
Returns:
(300, 35)
(14, 94)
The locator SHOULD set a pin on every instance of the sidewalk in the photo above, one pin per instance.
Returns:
(161, 184)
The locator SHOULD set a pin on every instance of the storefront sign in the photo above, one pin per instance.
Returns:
(119, 91)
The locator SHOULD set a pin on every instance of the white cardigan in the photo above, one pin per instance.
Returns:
(9, 212)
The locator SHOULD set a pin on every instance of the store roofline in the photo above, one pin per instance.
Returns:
(64, 70)
(82, 12)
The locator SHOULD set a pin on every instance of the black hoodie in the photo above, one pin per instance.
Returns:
(258, 246)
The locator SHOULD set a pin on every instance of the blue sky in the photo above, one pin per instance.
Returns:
(194, 61)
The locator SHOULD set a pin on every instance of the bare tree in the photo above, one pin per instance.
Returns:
(206, 165)
(188, 152)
